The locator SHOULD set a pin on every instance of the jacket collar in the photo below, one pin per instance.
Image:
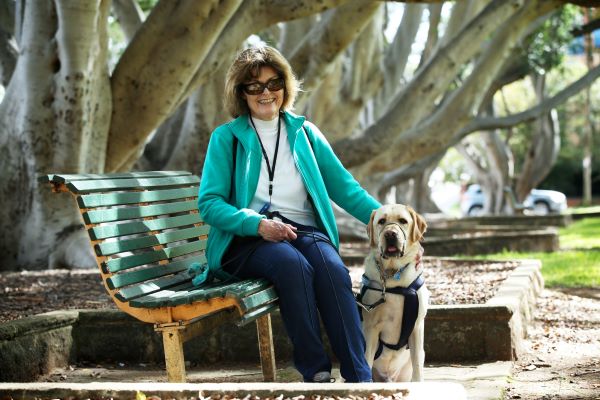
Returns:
(245, 133)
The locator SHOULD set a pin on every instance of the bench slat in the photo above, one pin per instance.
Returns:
(156, 271)
(167, 282)
(107, 185)
(254, 314)
(120, 264)
(202, 293)
(190, 296)
(244, 288)
(125, 213)
(109, 248)
(156, 299)
(113, 199)
(258, 299)
(131, 228)
(64, 178)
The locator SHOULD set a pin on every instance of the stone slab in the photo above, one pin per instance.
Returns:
(128, 390)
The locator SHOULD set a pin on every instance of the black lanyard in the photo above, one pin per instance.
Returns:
(271, 170)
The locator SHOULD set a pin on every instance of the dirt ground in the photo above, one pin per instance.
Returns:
(561, 358)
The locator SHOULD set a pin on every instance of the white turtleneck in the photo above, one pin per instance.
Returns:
(289, 193)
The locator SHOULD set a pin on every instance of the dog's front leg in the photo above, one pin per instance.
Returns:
(372, 340)
(417, 338)
(417, 354)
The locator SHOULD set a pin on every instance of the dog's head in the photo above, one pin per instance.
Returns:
(393, 228)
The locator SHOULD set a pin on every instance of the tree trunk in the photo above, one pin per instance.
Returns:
(203, 113)
(130, 16)
(543, 149)
(54, 118)
(588, 126)
(147, 91)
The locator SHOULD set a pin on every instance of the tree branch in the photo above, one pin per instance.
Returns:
(130, 16)
(314, 56)
(419, 97)
(486, 123)
(587, 28)
(156, 69)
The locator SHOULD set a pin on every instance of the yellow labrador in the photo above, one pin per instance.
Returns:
(392, 280)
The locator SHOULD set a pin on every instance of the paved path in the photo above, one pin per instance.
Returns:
(480, 381)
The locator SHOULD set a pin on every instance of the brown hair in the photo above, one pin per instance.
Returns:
(246, 67)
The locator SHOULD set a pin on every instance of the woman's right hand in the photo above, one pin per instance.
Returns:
(275, 231)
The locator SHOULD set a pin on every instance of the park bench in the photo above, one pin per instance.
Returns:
(145, 231)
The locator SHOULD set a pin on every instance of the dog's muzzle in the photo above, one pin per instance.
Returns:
(393, 246)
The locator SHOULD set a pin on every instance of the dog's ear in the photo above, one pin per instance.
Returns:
(419, 225)
(370, 230)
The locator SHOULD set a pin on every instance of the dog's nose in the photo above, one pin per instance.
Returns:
(390, 235)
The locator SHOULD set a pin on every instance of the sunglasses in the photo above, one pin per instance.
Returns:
(255, 88)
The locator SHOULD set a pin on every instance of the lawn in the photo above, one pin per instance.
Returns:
(577, 264)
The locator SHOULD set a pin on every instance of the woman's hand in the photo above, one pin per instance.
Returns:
(275, 231)
(419, 258)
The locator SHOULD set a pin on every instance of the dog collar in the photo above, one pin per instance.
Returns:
(371, 284)
(396, 275)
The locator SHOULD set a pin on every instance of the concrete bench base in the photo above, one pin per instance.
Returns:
(33, 346)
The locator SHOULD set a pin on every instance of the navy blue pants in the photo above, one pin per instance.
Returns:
(310, 279)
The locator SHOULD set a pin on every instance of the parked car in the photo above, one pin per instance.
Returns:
(538, 202)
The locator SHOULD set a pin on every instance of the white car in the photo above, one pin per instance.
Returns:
(538, 202)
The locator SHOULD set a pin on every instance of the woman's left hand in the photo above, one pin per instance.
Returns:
(275, 231)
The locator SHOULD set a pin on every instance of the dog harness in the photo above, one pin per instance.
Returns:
(411, 307)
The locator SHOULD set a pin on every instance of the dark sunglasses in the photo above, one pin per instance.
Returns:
(255, 88)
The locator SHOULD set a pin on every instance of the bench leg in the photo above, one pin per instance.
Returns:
(173, 345)
(265, 346)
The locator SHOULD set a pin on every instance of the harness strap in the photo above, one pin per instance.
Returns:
(409, 316)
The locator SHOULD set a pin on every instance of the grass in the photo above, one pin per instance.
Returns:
(582, 210)
(577, 264)
(582, 234)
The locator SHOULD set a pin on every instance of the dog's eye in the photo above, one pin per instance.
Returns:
(381, 221)
(402, 221)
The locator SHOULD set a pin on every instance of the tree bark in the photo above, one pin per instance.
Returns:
(130, 16)
(315, 55)
(337, 106)
(589, 124)
(543, 149)
(54, 118)
(156, 69)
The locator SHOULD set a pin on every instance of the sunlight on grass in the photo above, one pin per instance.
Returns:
(577, 264)
(583, 234)
(582, 210)
(564, 268)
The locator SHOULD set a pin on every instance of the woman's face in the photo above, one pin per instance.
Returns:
(266, 104)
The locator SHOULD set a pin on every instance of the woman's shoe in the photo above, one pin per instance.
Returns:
(323, 377)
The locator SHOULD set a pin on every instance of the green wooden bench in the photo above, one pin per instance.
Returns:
(145, 231)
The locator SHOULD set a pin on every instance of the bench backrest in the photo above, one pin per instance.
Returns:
(144, 227)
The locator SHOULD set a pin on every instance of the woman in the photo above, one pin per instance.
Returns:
(267, 182)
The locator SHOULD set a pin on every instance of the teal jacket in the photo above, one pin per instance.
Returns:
(324, 176)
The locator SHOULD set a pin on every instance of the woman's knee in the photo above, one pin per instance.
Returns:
(335, 271)
(289, 267)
